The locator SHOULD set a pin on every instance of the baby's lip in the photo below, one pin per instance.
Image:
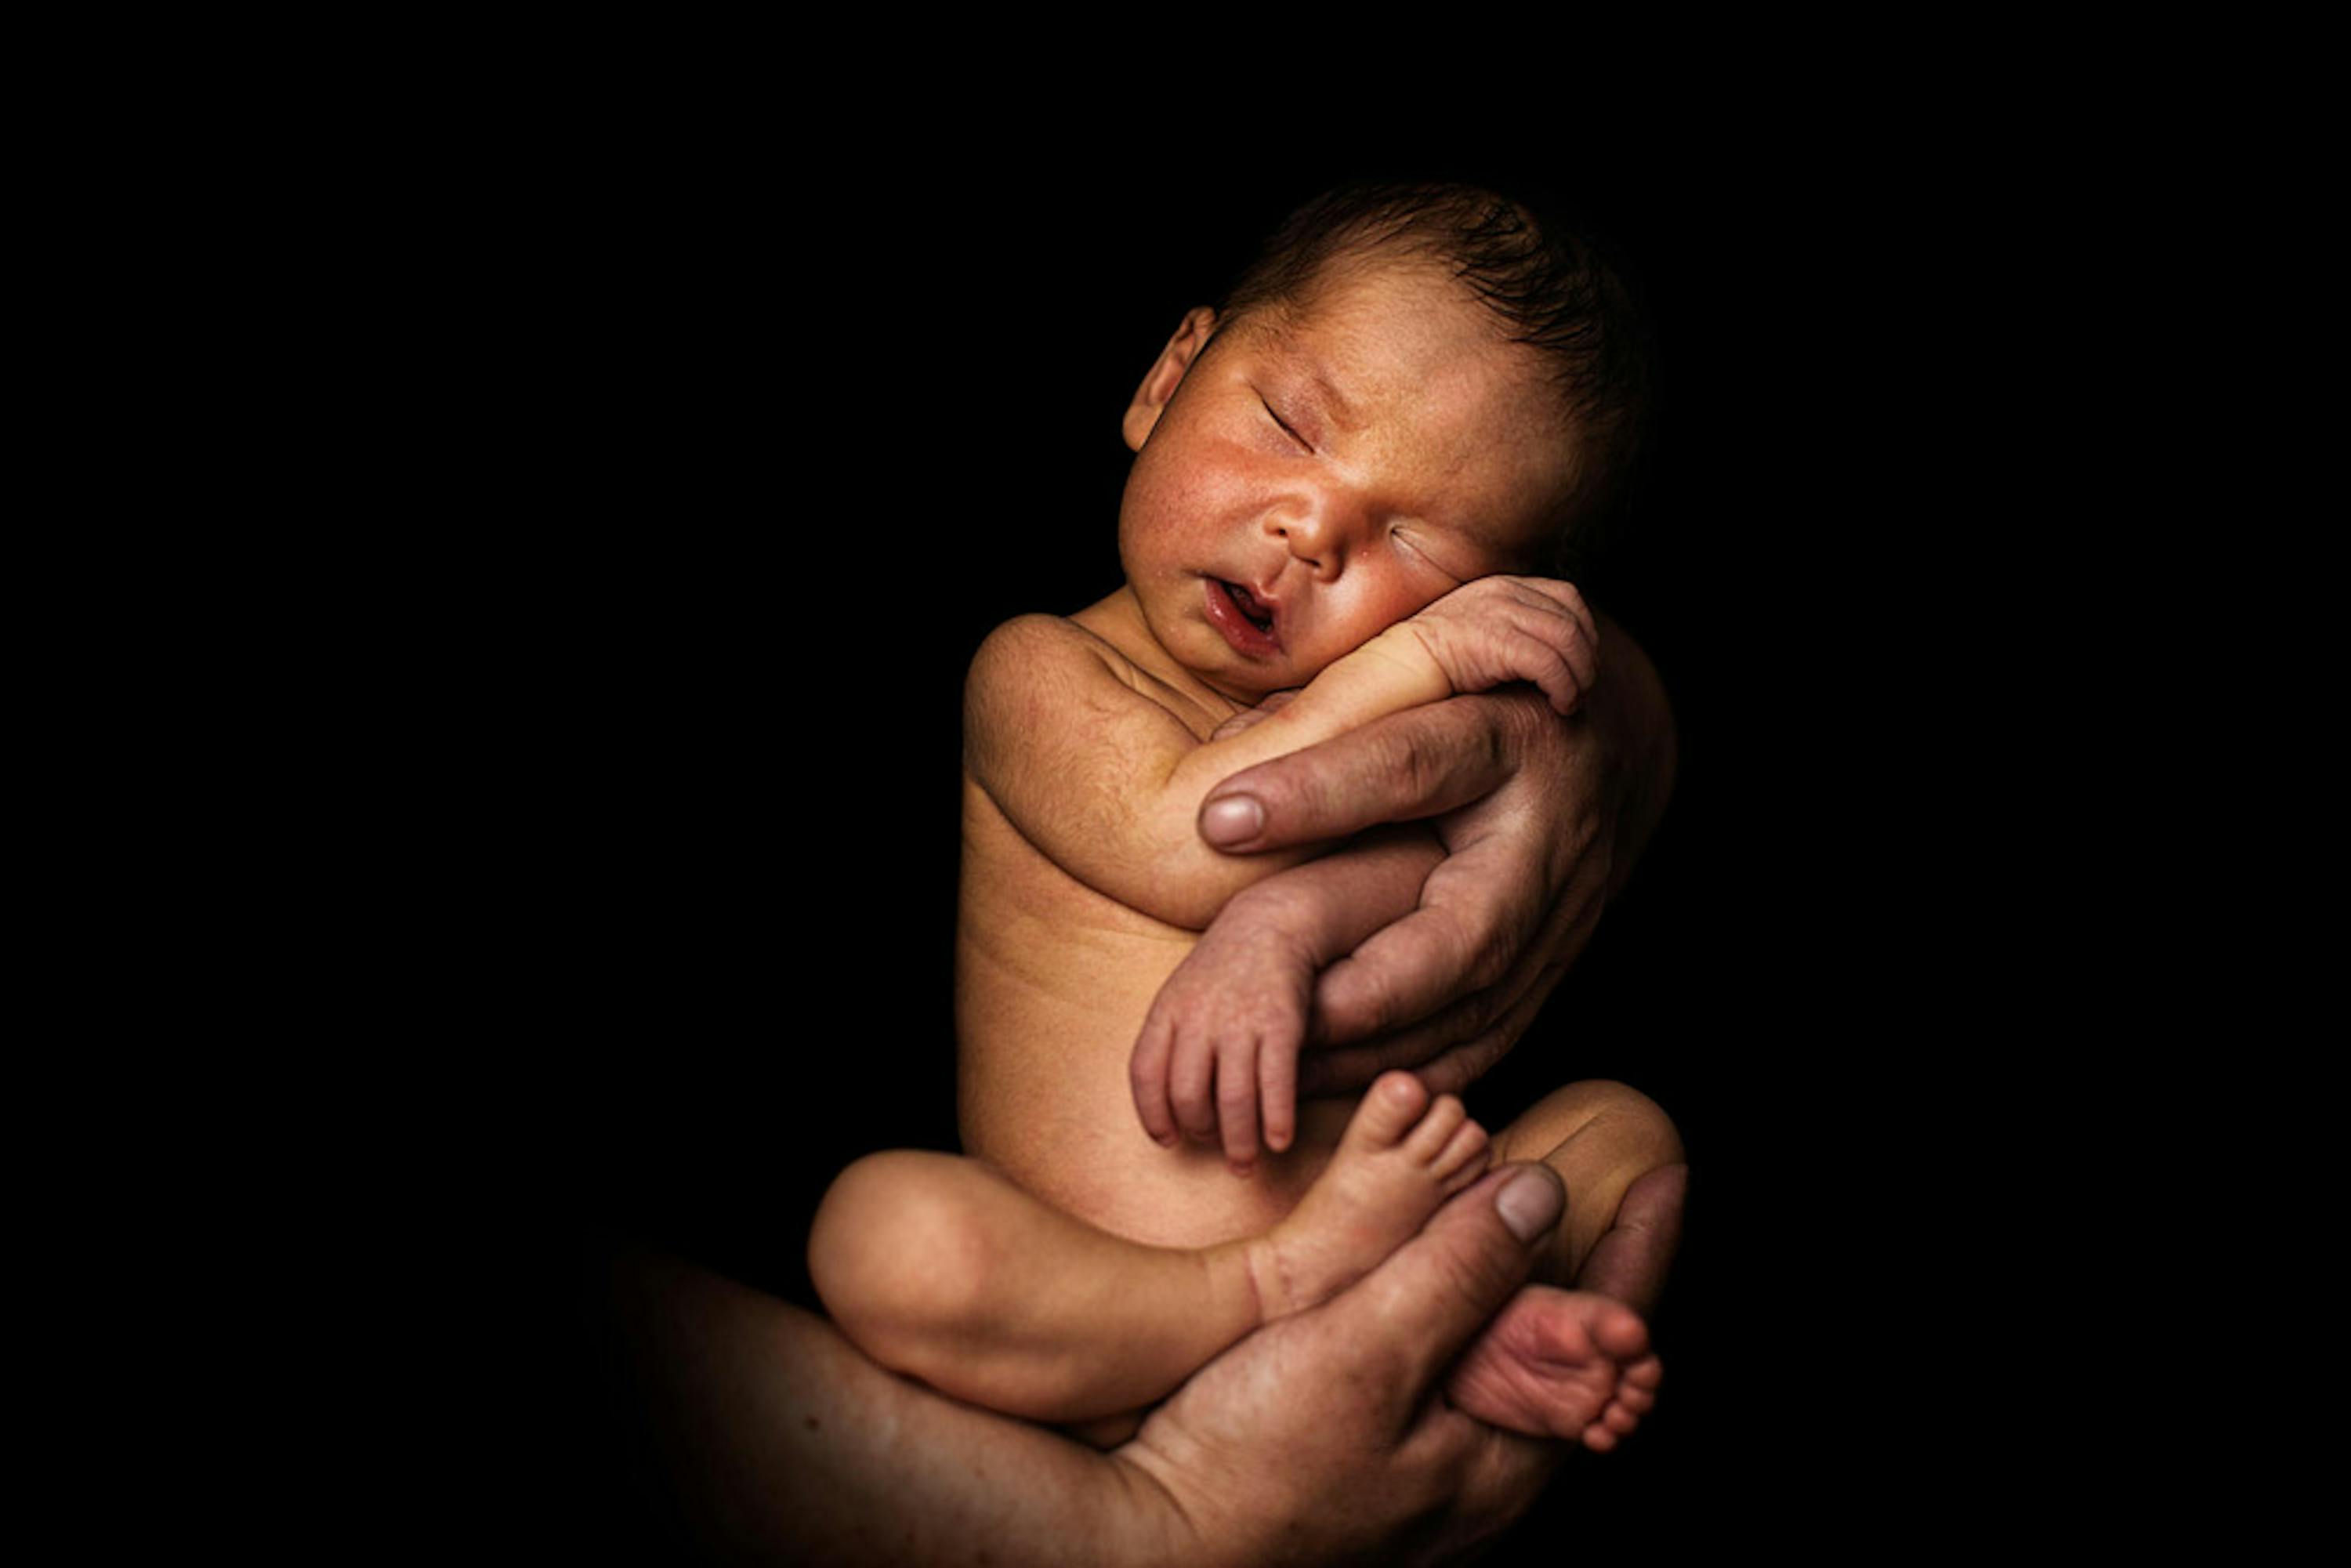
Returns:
(1257, 602)
(1250, 622)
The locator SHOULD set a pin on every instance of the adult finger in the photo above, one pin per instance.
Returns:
(1449, 1053)
(1632, 1258)
(1477, 912)
(1418, 763)
(1421, 1306)
(1487, 921)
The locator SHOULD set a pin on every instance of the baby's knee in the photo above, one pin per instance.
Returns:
(895, 1247)
(1601, 1136)
(1631, 1117)
(1597, 1114)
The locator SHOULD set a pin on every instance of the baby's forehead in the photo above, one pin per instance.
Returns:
(1351, 288)
(1416, 380)
(1390, 326)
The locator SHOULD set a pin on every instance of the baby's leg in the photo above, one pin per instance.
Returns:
(1601, 1137)
(1564, 1363)
(939, 1268)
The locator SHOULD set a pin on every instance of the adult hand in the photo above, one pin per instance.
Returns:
(1313, 1440)
(1316, 1438)
(1540, 818)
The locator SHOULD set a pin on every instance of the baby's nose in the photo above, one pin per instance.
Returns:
(1318, 534)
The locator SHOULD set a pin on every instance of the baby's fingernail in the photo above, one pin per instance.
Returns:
(1231, 820)
(1530, 1203)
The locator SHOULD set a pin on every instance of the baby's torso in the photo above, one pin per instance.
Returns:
(1052, 981)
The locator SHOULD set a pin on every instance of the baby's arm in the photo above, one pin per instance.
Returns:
(1220, 1044)
(1219, 1052)
(1096, 770)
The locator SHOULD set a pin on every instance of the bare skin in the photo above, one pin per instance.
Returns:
(1539, 821)
(1312, 1442)
(1312, 492)
(938, 1267)
(1083, 758)
(1315, 1438)
(1335, 561)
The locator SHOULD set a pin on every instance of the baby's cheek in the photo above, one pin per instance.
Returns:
(1393, 596)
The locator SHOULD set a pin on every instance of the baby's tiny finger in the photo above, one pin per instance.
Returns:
(1147, 1075)
(1556, 676)
(1188, 1085)
(1237, 1101)
(1585, 659)
(1560, 599)
(1276, 1083)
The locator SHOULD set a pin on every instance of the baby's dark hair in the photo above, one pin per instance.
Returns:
(1550, 284)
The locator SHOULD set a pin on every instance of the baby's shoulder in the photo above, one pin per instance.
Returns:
(1047, 636)
(1047, 651)
(1031, 648)
(1050, 672)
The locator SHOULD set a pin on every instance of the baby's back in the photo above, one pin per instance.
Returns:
(1052, 982)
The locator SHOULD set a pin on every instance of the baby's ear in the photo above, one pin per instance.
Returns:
(1167, 372)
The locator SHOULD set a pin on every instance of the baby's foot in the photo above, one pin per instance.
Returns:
(1560, 1364)
(1400, 1159)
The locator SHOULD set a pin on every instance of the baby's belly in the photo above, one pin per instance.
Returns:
(1060, 1121)
(1052, 982)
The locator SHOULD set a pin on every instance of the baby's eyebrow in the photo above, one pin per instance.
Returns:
(1336, 401)
(1343, 414)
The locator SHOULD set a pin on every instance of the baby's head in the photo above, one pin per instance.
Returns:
(1543, 283)
(1412, 386)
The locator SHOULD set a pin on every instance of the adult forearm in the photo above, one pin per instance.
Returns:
(781, 1439)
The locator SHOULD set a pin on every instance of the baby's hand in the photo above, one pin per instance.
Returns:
(1219, 1051)
(1502, 629)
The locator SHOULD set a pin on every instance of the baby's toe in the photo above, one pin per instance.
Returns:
(1428, 1135)
(1392, 1108)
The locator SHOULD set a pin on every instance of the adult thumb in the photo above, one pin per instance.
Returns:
(1441, 1287)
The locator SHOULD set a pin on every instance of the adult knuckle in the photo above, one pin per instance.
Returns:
(1462, 951)
(1486, 950)
(1478, 1011)
(1519, 727)
(1380, 1005)
(1420, 761)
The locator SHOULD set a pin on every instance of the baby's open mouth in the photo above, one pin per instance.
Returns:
(1245, 601)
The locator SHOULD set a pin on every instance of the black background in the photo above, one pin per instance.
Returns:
(778, 445)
